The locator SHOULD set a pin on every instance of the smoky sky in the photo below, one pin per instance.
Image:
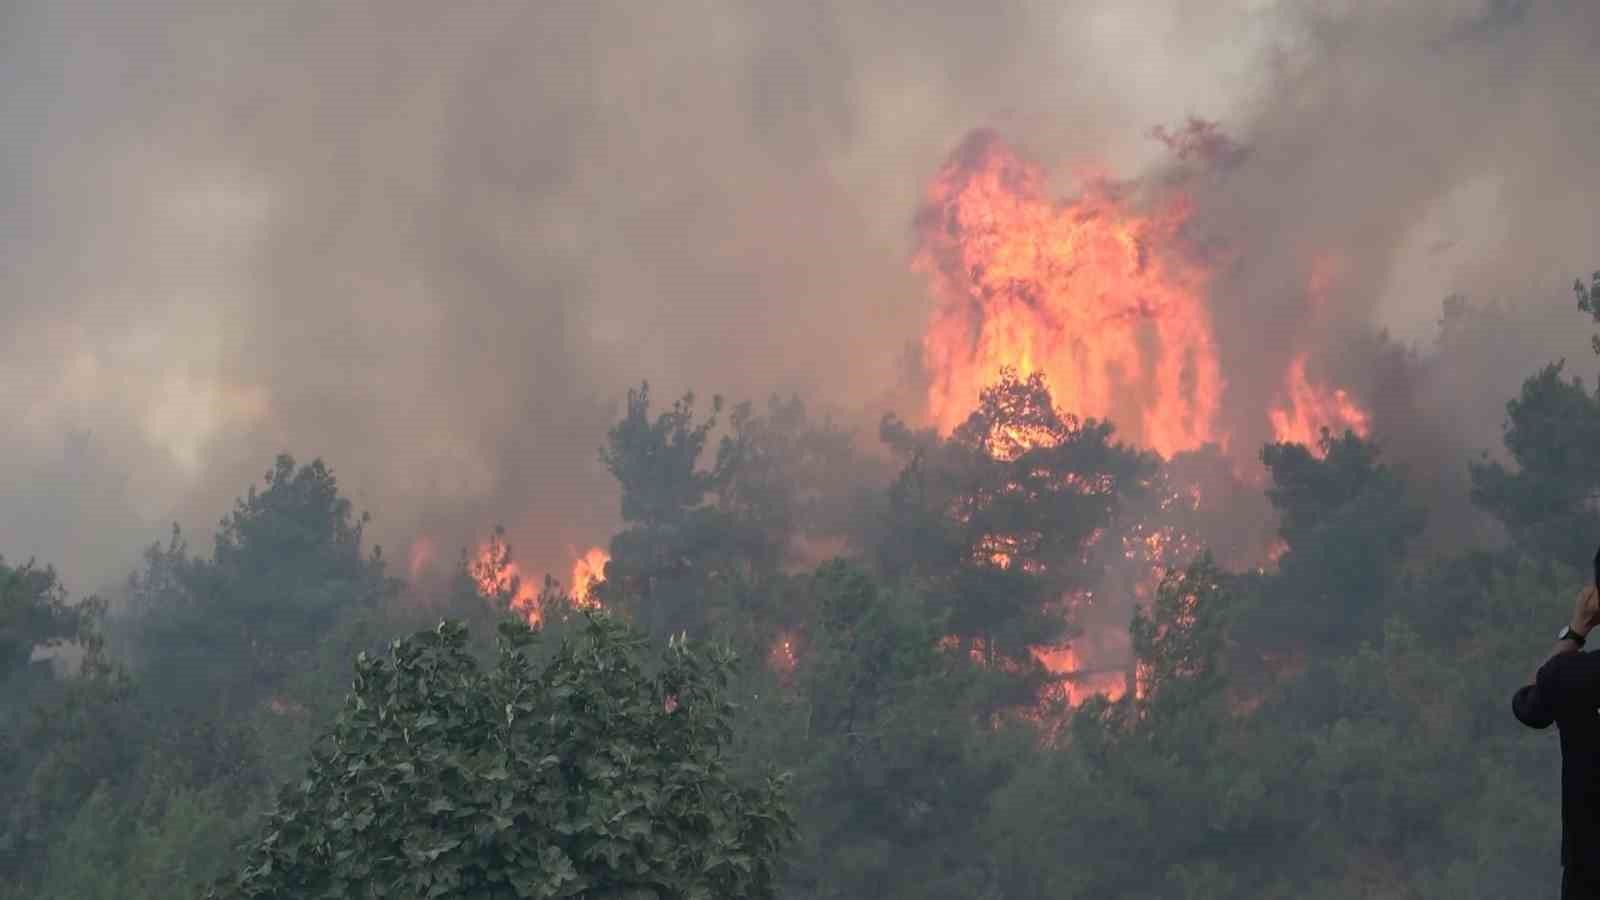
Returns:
(435, 243)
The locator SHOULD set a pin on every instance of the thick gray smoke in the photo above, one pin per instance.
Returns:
(433, 243)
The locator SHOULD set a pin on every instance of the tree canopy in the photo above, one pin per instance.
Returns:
(587, 777)
(852, 691)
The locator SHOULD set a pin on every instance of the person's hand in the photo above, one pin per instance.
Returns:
(1586, 610)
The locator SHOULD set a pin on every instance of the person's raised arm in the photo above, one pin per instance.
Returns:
(1566, 678)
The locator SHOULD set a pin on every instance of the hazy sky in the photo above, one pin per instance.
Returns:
(434, 243)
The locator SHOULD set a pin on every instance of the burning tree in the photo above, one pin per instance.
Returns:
(1109, 293)
(1002, 521)
(1131, 795)
(1091, 291)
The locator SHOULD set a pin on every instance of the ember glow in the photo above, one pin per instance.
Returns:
(1090, 291)
(1308, 408)
(420, 558)
(1276, 551)
(781, 656)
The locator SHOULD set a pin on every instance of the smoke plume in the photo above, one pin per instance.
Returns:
(434, 243)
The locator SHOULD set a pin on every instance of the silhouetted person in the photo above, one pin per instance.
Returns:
(1566, 691)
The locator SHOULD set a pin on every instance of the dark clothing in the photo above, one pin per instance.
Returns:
(1579, 884)
(1567, 692)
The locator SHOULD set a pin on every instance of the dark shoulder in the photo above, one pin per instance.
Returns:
(1579, 660)
(1529, 708)
(1570, 678)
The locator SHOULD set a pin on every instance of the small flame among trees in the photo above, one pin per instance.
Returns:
(496, 575)
(1078, 680)
(587, 571)
(1309, 408)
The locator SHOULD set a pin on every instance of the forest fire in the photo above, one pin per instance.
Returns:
(1089, 291)
(1106, 299)
(1098, 663)
(587, 571)
(1080, 681)
(1310, 408)
(1102, 296)
(496, 575)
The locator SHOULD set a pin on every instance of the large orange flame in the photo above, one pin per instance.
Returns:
(1090, 291)
(1105, 297)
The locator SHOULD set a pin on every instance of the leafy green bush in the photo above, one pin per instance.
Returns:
(586, 778)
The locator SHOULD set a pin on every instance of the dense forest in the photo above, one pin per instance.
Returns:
(809, 671)
(749, 448)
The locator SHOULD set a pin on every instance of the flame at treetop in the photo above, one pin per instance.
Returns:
(1101, 296)
(495, 574)
(1309, 408)
(1091, 292)
(587, 571)
(1306, 408)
